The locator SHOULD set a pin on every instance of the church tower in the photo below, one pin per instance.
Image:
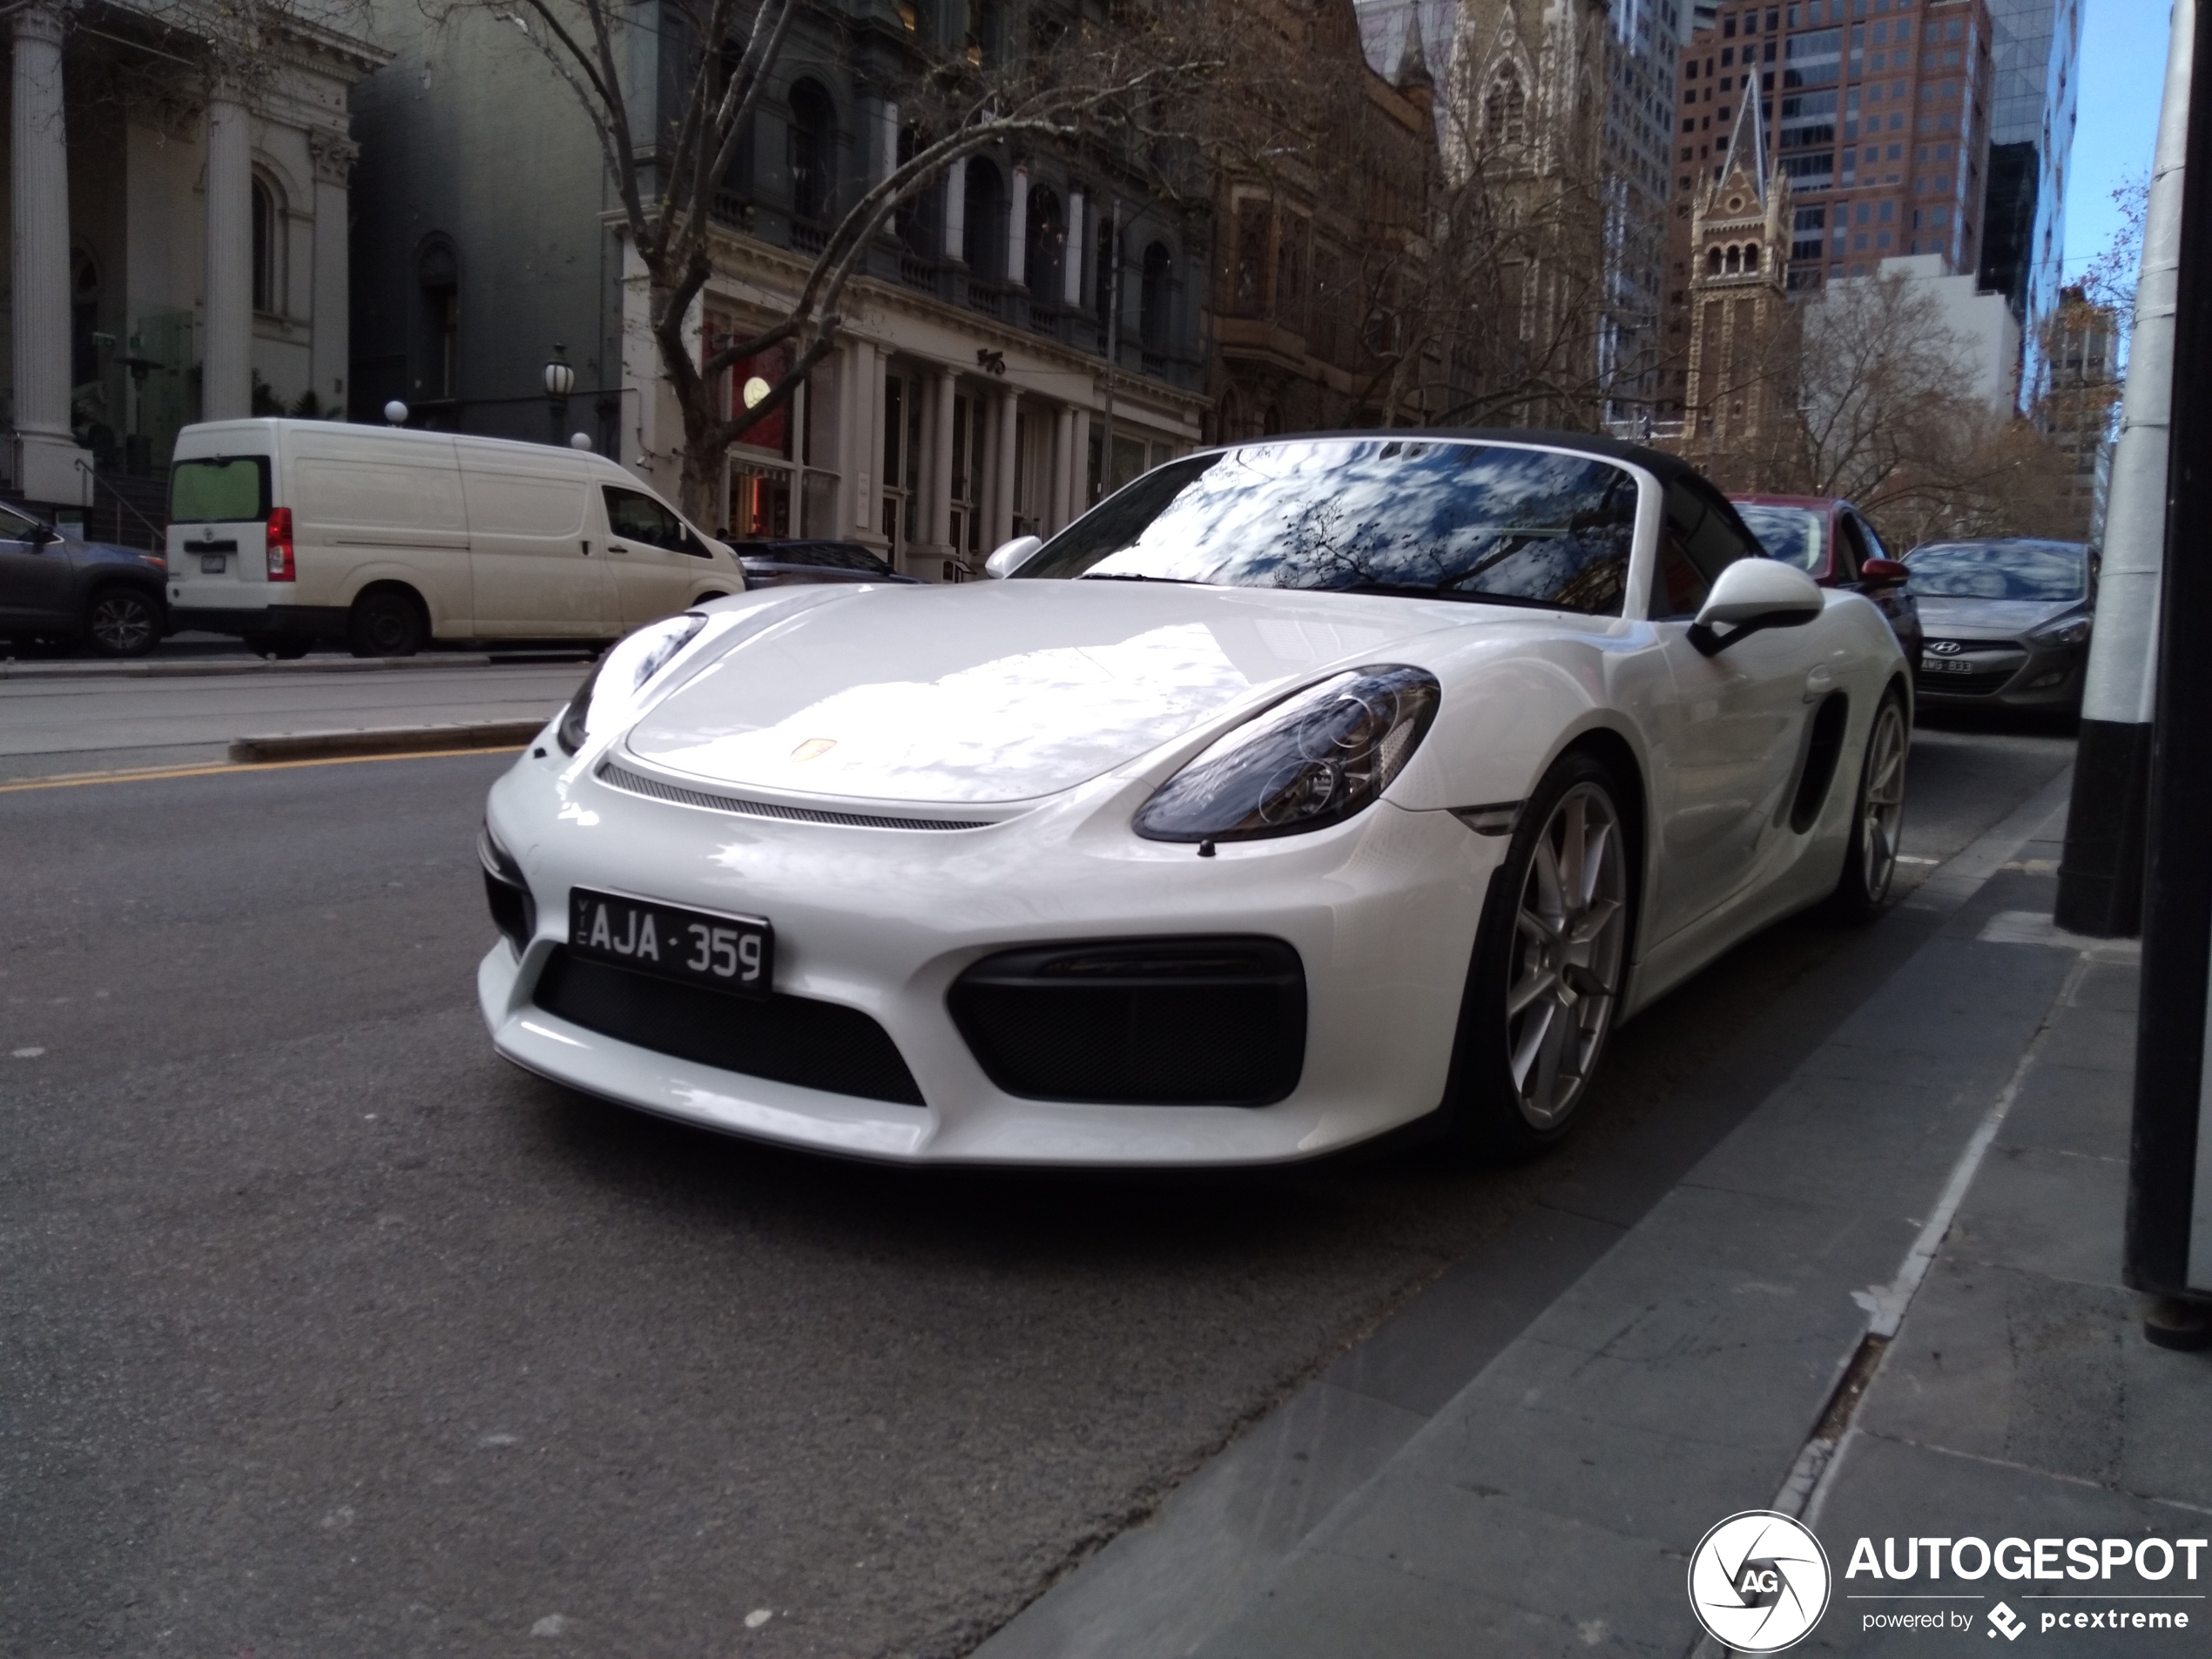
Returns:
(1739, 247)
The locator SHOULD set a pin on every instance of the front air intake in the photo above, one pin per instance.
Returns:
(1188, 1021)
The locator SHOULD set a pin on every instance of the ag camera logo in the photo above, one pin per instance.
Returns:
(1759, 1581)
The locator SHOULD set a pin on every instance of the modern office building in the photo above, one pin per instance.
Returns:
(2038, 47)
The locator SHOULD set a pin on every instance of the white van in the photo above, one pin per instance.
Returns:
(287, 531)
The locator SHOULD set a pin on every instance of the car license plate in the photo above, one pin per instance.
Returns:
(1947, 666)
(735, 953)
(211, 564)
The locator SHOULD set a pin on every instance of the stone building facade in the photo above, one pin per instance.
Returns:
(1739, 260)
(179, 214)
(1026, 332)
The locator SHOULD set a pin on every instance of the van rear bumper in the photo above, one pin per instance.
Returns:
(276, 622)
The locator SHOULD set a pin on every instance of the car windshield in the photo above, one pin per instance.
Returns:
(1796, 536)
(2047, 570)
(1444, 520)
(831, 556)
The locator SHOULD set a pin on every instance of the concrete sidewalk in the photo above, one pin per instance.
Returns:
(1797, 1319)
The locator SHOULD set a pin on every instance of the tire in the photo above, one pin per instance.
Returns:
(122, 622)
(386, 622)
(1877, 819)
(1554, 940)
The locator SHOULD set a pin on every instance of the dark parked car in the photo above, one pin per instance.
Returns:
(2008, 622)
(782, 563)
(112, 598)
(1832, 541)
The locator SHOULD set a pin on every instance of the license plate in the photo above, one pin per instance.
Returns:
(735, 953)
(1948, 665)
(211, 564)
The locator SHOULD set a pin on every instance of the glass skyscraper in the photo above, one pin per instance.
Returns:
(2037, 45)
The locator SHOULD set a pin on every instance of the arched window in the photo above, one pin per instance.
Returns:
(1156, 302)
(983, 228)
(437, 354)
(1712, 262)
(1505, 107)
(1048, 248)
(813, 151)
(267, 289)
(1752, 257)
(1735, 261)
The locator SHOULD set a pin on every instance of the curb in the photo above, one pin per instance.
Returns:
(11, 671)
(391, 739)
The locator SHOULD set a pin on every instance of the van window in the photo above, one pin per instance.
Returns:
(221, 490)
(634, 517)
(371, 496)
(517, 506)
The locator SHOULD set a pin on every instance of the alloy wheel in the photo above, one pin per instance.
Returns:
(1565, 979)
(122, 624)
(1881, 816)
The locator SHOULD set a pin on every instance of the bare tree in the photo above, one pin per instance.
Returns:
(1127, 79)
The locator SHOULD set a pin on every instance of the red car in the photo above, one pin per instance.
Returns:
(1832, 541)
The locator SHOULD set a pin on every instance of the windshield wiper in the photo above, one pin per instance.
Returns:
(1412, 591)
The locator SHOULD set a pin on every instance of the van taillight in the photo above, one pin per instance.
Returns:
(279, 539)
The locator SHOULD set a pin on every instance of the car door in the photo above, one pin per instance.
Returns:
(37, 585)
(1730, 727)
(653, 557)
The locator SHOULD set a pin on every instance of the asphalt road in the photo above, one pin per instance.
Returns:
(328, 1334)
(84, 720)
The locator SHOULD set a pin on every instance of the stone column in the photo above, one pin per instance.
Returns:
(873, 363)
(46, 456)
(938, 521)
(1004, 408)
(227, 357)
(956, 211)
(1017, 228)
(1078, 463)
(1071, 265)
(1064, 432)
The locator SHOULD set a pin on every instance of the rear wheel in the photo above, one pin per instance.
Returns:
(1878, 821)
(386, 622)
(122, 622)
(1545, 983)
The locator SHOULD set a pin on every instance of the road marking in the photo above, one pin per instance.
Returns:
(153, 773)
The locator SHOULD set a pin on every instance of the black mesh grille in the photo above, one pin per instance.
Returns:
(1981, 685)
(1139, 1022)
(786, 1039)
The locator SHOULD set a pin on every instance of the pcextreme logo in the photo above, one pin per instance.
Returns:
(1759, 1581)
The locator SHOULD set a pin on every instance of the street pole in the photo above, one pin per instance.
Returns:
(2168, 1244)
(2100, 876)
(1113, 344)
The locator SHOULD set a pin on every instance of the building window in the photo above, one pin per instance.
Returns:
(1048, 245)
(1505, 107)
(983, 226)
(812, 152)
(266, 235)
(1156, 301)
(437, 358)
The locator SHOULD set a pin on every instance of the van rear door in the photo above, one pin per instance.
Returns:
(538, 572)
(219, 519)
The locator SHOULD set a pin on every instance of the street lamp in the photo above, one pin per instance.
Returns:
(560, 381)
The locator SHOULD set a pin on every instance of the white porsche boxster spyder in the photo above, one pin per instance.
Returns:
(1301, 790)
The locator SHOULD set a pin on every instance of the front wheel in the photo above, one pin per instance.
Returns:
(122, 622)
(1545, 987)
(1878, 821)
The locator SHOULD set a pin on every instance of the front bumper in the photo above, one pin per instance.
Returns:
(2017, 677)
(1381, 910)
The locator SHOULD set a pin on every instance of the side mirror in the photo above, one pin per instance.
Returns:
(1883, 573)
(1751, 595)
(1010, 556)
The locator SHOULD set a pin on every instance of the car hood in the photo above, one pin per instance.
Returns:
(1988, 618)
(1002, 692)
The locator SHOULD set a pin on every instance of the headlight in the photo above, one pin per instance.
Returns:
(1306, 762)
(2072, 631)
(615, 680)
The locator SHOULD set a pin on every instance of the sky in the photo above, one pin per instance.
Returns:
(2123, 71)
